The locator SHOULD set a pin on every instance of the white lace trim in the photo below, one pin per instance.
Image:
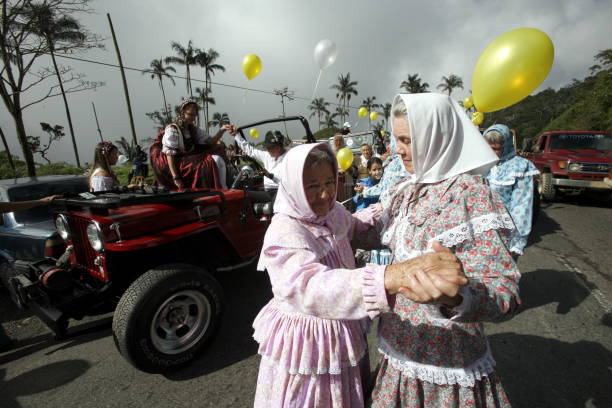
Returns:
(474, 226)
(512, 174)
(302, 371)
(465, 377)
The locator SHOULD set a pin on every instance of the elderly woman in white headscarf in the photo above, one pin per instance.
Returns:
(433, 346)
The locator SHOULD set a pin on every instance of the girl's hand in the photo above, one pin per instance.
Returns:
(179, 184)
(359, 188)
(49, 199)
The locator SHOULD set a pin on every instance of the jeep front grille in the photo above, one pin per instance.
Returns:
(595, 167)
(85, 254)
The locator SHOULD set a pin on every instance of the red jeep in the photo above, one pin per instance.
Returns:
(571, 161)
(150, 255)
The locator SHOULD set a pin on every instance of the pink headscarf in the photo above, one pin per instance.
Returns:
(291, 198)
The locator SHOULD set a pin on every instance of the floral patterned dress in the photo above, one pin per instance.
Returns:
(436, 357)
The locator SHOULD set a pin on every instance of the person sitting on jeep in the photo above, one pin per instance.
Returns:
(185, 156)
(101, 175)
(139, 164)
(512, 178)
(272, 157)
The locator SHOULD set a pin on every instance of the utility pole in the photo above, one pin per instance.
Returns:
(97, 124)
(125, 87)
(285, 93)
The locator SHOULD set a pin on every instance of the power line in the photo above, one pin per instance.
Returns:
(184, 78)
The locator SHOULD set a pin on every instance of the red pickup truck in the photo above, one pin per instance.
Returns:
(571, 161)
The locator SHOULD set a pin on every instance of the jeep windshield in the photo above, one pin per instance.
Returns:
(35, 191)
(581, 141)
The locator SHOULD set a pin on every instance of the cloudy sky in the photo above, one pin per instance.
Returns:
(379, 43)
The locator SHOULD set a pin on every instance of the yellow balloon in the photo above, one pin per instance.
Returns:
(345, 158)
(251, 66)
(362, 112)
(468, 102)
(382, 133)
(373, 115)
(511, 68)
(254, 133)
(477, 118)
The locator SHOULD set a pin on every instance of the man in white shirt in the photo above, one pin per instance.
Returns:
(272, 157)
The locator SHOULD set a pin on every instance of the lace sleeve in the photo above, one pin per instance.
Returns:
(172, 141)
(100, 183)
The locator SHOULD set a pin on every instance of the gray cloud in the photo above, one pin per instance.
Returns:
(379, 43)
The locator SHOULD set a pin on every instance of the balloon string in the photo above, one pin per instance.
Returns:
(316, 84)
(365, 190)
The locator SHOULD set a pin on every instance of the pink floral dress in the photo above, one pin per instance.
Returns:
(431, 356)
(312, 334)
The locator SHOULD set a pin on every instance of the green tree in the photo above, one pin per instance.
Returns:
(345, 88)
(330, 120)
(204, 96)
(220, 119)
(159, 71)
(449, 83)
(125, 147)
(24, 38)
(161, 120)
(54, 133)
(206, 59)
(413, 84)
(318, 107)
(186, 56)
(386, 108)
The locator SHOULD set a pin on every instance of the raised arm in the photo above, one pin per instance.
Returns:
(250, 150)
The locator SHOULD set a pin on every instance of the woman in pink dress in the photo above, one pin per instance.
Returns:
(435, 353)
(311, 335)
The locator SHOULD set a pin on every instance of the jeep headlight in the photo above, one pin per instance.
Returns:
(94, 235)
(574, 167)
(61, 224)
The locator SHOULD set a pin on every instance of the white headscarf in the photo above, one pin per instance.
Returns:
(445, 143)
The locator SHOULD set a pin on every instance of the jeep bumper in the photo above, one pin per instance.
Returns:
(587, 184)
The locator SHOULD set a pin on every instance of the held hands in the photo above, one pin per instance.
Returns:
(359, 188)
(231, 128)
(430, 278)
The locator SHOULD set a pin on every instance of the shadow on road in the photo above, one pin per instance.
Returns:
(39, 380)
(544, 225)
(541, 287)
(246, 292)
(541, 372)
(77, 334)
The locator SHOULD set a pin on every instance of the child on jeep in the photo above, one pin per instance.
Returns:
(311, 335)
(375, 172)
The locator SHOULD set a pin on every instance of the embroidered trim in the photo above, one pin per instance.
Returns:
(514, 175)
(465, 377)
(331, 371)
(474, 226)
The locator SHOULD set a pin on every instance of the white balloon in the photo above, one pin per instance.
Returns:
(325, 53)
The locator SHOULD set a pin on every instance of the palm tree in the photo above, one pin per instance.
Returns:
(158, 70)
(413, 84)
(387, 114)
(220, 119)
(342, 112)
(330, 120)
(205, 97)
(344, 89)
(185, 56)
(318, 106)
(370, 105)
(55, 29)
(450, 83)
(206, 59)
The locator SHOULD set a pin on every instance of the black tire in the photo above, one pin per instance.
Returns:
(7, 271)
(546, 189)
(186, 294)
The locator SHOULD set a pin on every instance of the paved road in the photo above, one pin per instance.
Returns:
(556, 353)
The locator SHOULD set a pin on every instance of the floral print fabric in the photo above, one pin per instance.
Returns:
(432, 355)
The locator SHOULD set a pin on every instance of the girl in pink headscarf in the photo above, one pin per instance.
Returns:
(311, 335)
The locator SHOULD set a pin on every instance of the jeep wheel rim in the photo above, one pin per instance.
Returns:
(180, 322)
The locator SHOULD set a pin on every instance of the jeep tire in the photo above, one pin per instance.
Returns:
(166, 316)
(545, 187)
